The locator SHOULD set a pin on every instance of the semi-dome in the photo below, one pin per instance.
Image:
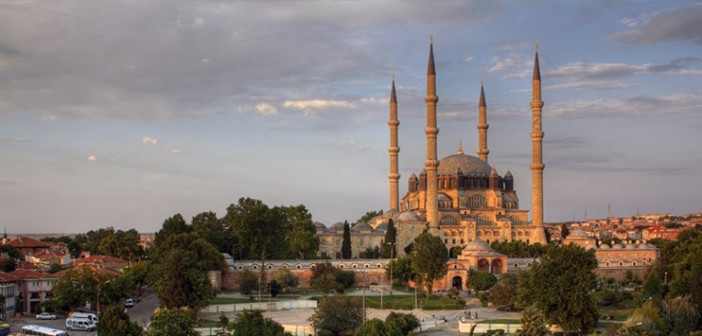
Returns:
(362, 227)
(319, 226)
(578, 232)
(477, 245)
(338, 226)
(408, 216)
(604, 247)
(468, 165)
(382, 226)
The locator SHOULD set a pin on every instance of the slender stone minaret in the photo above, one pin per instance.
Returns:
(482, 127)
(394, 150)
(537, 165)
(431, 131)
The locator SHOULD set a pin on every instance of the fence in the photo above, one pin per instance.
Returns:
(265, 306)
(296, 330)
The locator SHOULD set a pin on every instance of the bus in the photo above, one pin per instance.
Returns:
(35, 330)
(4, 329)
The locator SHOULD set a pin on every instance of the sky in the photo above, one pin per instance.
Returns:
(124, 113)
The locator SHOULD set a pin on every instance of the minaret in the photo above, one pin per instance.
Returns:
(537, 165)
(482, 127)
(432, 163)
(393, 150)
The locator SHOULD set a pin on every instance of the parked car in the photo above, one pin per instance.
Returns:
(46, 316)
(129, 303)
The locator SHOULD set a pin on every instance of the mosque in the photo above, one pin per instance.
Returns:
(459, 198)
(463, 200)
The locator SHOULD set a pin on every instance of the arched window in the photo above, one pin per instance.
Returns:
(477, 201)
(448, 220)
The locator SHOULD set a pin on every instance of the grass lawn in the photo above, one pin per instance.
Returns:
(618, 314)
(230, 300)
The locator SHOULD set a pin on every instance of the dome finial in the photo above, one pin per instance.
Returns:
(460, 147)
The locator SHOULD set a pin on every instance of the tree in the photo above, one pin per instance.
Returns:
(172, 322)
(346, 242)
(405, 323)
(645, 320)
(252, 323)
(217, 232)
(504, 292)
(389, 249)
(429, 257)
(122, 244)
(680, 315)
(326, 278)
(259, 229)
(480, 280)
(286, 279)
(303, 240)
(368, 216)
(402, 270)
(373, 327)
(564, 231)
(115, 322)
(181, 282)
(74, 288)
(533, 322)
(653, 286)
(337, 314)
(560, 286)
(371, 253)
(171, 226)
(248, 282)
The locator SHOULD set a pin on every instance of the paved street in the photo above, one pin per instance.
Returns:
(140, 314)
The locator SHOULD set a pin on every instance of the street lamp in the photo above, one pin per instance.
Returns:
(97, 301)
(392, 257)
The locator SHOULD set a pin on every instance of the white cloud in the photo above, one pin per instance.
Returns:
(175, 151)
(511, 62)
(468, 59)
(92, 157)
(679, 24)
(674, 104)
(311, 107)
(266, 109)
(149, 140)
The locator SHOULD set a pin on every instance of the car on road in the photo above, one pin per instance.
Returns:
(46, 316)
(129, 303)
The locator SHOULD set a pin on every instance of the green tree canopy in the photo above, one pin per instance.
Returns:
(404, 323)
(173, 322)
(402, 270)
(429, 257)
(346, 242)
(217, 232)
(115, 322)
(480, 280)
(181, 280)
(252, 323)
(302, 238)
(560, 286)
(366, 218)
(248, 282)
(504, 292)
(373, 327)
(337, 314)
(389, 243)
(327, 278)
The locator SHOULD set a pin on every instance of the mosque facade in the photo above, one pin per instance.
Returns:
(460, 198)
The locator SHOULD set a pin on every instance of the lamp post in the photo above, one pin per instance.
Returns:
(97, 301)
(392, 257)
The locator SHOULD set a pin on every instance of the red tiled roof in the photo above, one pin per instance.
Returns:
(27, 242)
(24, 274)
(92, 268)
(99, 259)
(6, 277)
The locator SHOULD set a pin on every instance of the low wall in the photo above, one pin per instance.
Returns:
(265, 306)
(295, 330)
(481, 328)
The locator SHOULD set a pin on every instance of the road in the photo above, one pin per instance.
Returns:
(141, 313)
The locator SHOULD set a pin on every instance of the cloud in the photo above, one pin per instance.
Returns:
(14, 139)
(92, 157)
(149, 140)
(511, 62)
(468, 59)
(311, 107)
(580, 70)
(682, 24)
(266, 109)
(674, 104)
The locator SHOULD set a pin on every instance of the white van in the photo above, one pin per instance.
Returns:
(89, 316)
(78, 323)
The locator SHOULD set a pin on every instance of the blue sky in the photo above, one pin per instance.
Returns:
(123, 113)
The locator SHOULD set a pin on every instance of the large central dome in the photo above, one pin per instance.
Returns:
(469, 165)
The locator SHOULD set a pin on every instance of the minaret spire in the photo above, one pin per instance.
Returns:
(537, 165)
(431, 164)
(393, 150)
(482, 126)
